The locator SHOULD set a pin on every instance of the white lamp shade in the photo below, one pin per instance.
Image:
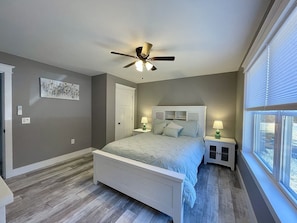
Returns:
(218, 124)
(148, 65)
(139, 65)
(144, 120)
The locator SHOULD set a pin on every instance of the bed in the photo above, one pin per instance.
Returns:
(148, 176)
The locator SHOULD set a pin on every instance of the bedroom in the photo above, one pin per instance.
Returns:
(31, 145)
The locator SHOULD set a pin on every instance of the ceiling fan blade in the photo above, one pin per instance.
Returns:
(145, 51)
(130, 64)
(154, 68)
(122, 54)
(163, 58)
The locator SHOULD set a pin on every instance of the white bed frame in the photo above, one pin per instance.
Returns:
(156, 187)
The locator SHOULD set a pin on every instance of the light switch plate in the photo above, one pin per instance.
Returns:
(19, 110)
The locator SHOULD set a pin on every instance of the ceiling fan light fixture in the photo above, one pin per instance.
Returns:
(148, 65)
(142, 58)
(139, 65)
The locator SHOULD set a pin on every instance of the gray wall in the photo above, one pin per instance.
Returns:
(217, 92)
(239, 108)
(53, 121)
(99, 98)
(260, 208)
(103, 111)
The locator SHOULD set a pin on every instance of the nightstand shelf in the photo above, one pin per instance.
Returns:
(139, 131)
(220, 151)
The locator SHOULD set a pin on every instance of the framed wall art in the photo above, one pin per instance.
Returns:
(58, 89)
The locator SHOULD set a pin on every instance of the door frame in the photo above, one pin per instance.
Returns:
(124, 87)
(6, 71)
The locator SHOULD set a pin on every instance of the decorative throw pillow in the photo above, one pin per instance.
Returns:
(190, 128)
(174, 126)
(172, 130)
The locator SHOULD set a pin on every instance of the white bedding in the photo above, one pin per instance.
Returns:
(182, 154)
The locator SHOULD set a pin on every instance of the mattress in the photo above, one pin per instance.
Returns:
(182, 154)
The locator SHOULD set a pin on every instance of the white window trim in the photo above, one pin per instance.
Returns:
(279, 205)
(7, 152)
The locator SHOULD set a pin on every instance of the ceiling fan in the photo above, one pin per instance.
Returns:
(143, 59)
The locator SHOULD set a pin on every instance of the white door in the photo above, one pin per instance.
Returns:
(124, 111)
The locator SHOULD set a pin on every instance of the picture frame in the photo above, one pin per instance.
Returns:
(58, 89)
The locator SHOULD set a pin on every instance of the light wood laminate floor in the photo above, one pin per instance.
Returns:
(66, 193)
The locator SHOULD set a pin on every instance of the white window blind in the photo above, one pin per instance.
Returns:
(272, 79)
(257, 82)
(283, 64)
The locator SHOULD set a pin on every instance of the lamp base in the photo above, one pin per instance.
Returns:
(144, 127)
(218, 134)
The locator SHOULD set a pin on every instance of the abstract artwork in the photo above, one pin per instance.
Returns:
(58, 89)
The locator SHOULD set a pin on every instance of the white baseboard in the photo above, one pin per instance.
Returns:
(47, 163)
(252, 213)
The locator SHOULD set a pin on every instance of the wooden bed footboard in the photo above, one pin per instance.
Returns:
(156, 187)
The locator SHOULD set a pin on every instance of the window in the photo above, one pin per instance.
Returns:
(271, 107)
(289, 155)
(264, 134)
(279, 157)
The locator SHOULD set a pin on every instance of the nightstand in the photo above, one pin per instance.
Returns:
(139, 131)
(220, 151)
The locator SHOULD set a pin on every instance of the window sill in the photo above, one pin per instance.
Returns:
(280, 207)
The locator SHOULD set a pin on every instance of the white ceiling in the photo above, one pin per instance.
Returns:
(205, 36)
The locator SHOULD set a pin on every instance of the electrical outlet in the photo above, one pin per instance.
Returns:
(26, 120)
(72, 141)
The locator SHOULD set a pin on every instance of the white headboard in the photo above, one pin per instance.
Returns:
(186, 113)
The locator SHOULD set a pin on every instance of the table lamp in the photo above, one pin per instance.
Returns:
(218, 125)
(144, 122)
